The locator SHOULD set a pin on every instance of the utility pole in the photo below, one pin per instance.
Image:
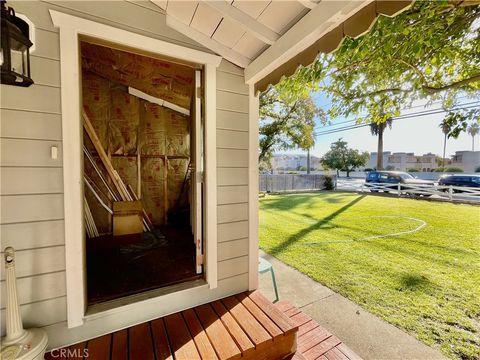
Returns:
(308, 161)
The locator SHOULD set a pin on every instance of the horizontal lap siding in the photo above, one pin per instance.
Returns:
(42, 313)
(32, 183)
(31, 235)
(37, 288)
(22, 124)
(18, 180)
(232, 176)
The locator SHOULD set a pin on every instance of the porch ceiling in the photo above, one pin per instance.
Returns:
(270, 39)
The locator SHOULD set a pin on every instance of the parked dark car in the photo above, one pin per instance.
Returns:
(394, 178)
(460, 181)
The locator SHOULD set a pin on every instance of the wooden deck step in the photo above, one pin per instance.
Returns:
(314, 342)
(246, 326)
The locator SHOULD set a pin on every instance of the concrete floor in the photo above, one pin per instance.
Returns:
(369, 336)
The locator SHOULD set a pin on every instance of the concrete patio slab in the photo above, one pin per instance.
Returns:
(366, 334)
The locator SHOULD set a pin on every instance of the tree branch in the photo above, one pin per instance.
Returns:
(433, 89)
(426, 88)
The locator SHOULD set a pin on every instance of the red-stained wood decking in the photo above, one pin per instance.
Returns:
(313, 341)
(246, 326)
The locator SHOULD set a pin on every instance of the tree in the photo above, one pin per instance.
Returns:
(446, 128)
(377, 129)
(342, 158)
(429, 52)
(287, 120)
(473, 130)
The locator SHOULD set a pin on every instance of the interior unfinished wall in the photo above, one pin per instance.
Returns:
(149, 144)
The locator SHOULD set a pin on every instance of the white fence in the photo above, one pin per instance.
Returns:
(417, 190)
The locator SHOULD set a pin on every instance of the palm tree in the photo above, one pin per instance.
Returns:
(446, 128)
(473, 130)
(377, 129)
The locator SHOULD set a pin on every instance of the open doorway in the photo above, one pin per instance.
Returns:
(142, 171)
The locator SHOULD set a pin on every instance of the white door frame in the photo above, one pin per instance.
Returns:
(71, 27)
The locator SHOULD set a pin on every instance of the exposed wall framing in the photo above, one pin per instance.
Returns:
(148, 144)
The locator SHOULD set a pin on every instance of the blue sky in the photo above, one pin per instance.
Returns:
(417, 134)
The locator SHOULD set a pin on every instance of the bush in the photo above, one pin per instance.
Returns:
(449, 169)
(328, 182)
(453, 169)
(368, 169)
(477, 169)
(413, 170)
(390, 168)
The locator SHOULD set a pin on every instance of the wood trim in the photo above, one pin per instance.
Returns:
(72, 177)
(208, 42)
(127, 38)
(309, 4)
(251, 25)
(253, 188)
(71, 29)
(315, 24)
(210, 200)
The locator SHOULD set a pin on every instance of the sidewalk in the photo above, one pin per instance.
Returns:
(366, 334)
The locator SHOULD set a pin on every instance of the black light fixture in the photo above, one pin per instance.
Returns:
(15, 53)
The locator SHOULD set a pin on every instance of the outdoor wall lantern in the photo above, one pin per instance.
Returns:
(15, 53)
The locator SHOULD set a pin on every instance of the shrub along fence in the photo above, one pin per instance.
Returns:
(292, 182)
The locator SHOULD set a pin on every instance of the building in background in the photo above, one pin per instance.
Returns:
(285, 162)
(468, 161)
(402, 161)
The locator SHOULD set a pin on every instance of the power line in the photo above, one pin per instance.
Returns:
(366, 116)
(401, 117)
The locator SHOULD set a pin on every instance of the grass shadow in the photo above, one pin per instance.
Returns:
(302, 233)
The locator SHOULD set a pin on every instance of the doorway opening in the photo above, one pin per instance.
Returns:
(143, 164)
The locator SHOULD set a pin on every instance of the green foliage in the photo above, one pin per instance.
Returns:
(412, 170)
(474, 128)
(449, 169)
(390, 167)
(287, 120)
(328, 182)
(457, 122)
(429, 52)
(342, 158)
(454, 169)
(379, 128)
(477, 170)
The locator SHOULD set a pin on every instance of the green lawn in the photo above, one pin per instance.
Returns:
(425, 282)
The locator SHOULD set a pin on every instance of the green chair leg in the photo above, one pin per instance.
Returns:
(274, 285)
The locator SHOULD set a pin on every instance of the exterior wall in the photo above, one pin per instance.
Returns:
(469, 161)
(403, 161)
(32, 183)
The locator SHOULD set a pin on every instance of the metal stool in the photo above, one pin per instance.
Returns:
(263, 267)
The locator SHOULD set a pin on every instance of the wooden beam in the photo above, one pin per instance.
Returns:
(209, 43)
(87, 125)
(251, 25)
(158, 101)
(162, 4)
(316, 23)
(309, 4)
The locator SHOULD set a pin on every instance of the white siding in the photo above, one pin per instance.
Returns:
(32, 183)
